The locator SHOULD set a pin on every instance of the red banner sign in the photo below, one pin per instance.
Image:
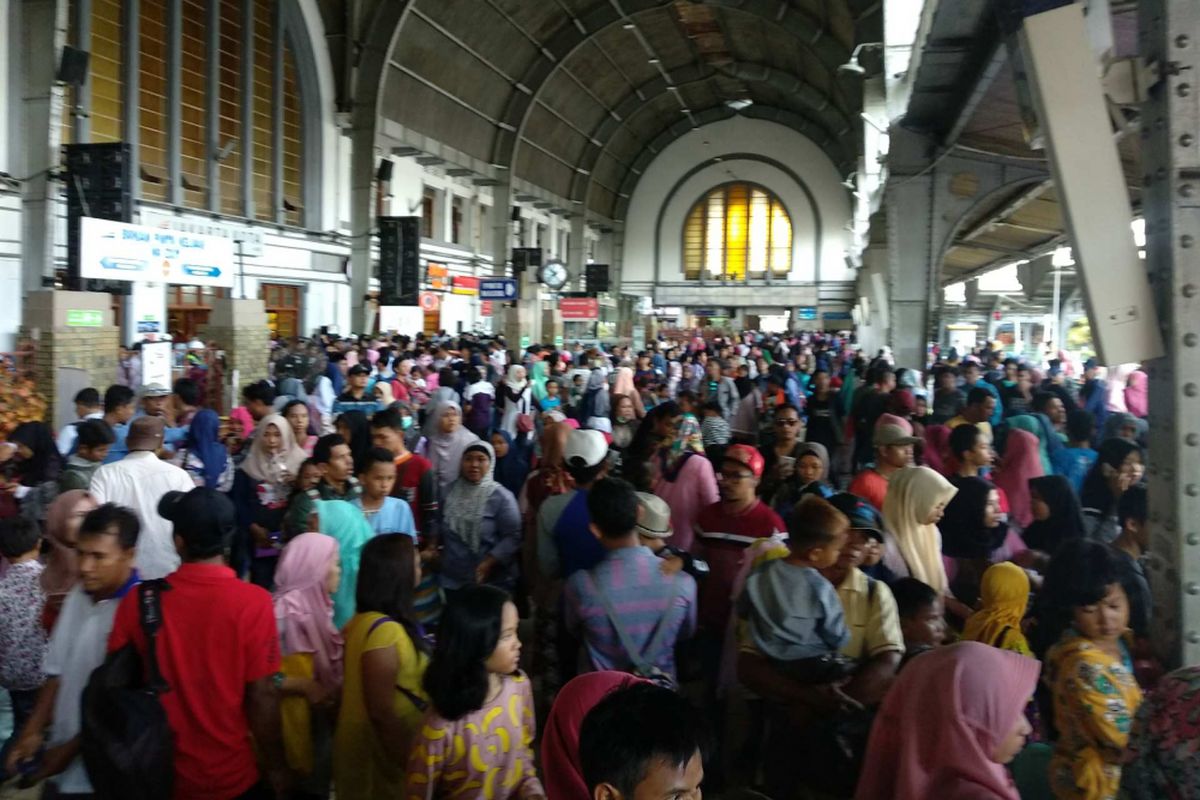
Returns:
(461, 284)
(579, 309)
(485, 308)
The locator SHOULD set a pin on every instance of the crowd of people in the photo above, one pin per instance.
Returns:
(764, 564)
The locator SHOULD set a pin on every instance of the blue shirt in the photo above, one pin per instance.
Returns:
(578, 547)
(394, 516)
(1073, 463)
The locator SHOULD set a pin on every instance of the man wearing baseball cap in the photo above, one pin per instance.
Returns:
(218, 651)
(893, 451)
(726, 528)
(565, 544)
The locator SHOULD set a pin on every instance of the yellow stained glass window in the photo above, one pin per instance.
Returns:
(736, 231)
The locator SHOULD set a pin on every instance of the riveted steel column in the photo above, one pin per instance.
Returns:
(1170, 39)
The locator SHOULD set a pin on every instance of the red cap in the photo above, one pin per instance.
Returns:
(747, 456)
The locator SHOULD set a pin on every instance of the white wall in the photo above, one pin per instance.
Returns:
(10, 269)
(726, 139)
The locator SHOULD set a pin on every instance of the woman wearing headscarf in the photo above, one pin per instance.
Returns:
(1057, 515)
(595, 403)
(34, 465)
(309, 572)
(261, 489)
(481, 526)
(744, 425)
(354, 428)
(623, 385)
(916, 500)
(1118, 466)
(1032, 425)
(1020, 463)
(562, 774)
(444, 443)
(971, 531)
(539, 373)
(810, 474)
(1121, 425)
(1137, 394)
(346, 524)
(948, 726)
(685, 480)
(1004, 598)
(203, 455)
(936, 452)
(1162, 761)
(516, 398)
(625, 421)
(63, 518)
(513, 458)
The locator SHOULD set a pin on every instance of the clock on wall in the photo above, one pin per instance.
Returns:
(553, 274)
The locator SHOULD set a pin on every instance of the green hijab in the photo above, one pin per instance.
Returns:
(539, 373)
(1030, 424)
(345, 523)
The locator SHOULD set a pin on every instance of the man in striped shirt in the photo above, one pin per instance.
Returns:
(627, 589)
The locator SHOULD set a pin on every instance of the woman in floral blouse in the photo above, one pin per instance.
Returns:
(1089, 671)
(1163, 759)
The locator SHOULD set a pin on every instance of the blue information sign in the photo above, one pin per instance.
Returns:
(497, 289)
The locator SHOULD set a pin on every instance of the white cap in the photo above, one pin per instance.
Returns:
(585, 449)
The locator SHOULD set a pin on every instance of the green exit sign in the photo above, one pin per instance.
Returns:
(78, 318)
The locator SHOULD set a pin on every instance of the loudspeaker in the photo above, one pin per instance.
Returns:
(399, 261)
(99, 183)
(384, 173)
(73, 66)
(596, 278)
(516, 214)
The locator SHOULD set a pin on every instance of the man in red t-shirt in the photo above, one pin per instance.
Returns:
(218, 651)
(726, 528)
(415, 478)
(893, 452)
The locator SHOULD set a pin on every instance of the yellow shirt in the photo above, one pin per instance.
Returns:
(362, 769)
(985, 427)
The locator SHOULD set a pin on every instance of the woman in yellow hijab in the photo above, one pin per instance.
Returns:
(1004, 591)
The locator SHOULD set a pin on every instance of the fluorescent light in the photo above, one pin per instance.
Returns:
(739, 104)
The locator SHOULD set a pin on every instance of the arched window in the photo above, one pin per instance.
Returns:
(736, 231)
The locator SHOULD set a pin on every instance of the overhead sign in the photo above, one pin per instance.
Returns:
(498, 289)
(430, 301)
(579, 309)
(710, 312)
(462, 284)
(806, 312)
(156, 363)
(251, 239)
(119, 251)
(438, 277)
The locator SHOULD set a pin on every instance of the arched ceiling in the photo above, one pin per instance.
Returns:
(575, 96)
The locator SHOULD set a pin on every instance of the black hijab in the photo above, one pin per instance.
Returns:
(963, 534)
(1066, 515)
(360, 437)
(1096, 494)
(45, 463)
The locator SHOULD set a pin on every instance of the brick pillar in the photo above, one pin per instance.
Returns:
(239, 327)
(70, 329)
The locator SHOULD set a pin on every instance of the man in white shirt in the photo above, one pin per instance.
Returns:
(106, 549)
(138, 481)
(87, 406)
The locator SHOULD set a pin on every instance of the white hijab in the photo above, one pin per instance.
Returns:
(912, 494)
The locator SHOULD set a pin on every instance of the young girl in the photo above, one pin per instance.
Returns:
(479, 730)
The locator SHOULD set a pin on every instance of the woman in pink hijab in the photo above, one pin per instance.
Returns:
(1022, 460)
(308, 573)
(1136, 394)
(949, 724)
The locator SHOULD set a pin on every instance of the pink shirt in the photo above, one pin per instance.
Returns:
(694, 489)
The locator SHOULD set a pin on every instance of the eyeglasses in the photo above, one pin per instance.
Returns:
(788, 422)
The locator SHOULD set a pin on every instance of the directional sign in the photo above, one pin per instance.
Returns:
(118, 251)
(497, 289)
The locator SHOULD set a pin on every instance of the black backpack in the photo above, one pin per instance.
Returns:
(128, 747)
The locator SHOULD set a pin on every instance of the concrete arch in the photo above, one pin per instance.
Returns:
(681, 128)
(831, 140)
(303, 28)
(814, 208)
(569, 38)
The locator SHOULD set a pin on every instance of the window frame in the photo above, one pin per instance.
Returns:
(699, 220)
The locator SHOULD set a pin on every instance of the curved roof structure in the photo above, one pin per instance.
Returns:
(576, 96)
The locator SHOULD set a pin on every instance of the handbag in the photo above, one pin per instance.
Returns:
(641, 667)
(128, 747)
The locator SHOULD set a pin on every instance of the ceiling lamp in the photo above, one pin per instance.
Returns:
(740, 103)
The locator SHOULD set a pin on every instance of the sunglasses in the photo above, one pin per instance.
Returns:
(787, 422)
